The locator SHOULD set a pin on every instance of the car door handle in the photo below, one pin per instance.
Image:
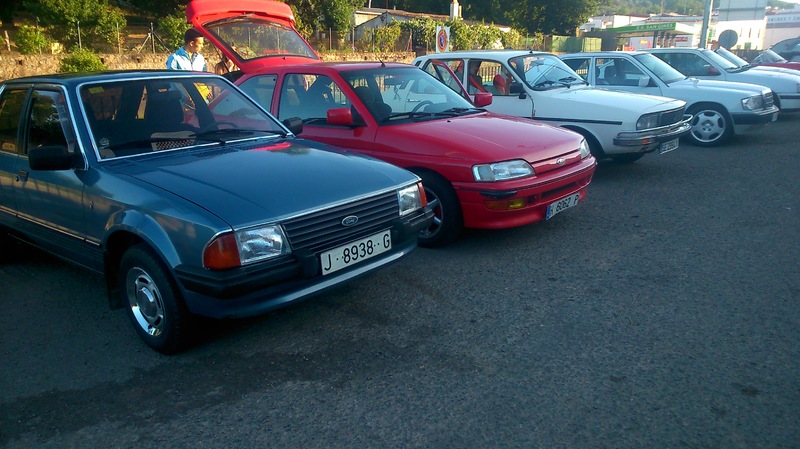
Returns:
(22, 176)
(411, 100)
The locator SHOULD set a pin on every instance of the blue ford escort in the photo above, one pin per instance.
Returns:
(187, 211)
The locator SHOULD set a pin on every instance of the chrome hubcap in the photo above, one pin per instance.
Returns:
(145, 301)
(708, 126)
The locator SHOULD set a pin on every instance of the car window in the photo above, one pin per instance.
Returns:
(48, 122)
(309, 96)
(544, 71)
(251, 38)
(260, 89)
(494, 78)
(132, 117)
(580, 66)
(659, 68)
(690, 64)
(11, 104)
(395, 95)
(444, 76)
(618, 72)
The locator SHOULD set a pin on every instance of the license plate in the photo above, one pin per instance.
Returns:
(354, 252)
(668, 146)
(561, 205)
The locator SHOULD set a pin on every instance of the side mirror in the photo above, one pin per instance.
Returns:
(644, 81)
(340, 117)
(55, 157)
(516, 88)
(295, 124)
(482, 99)
(711, 71)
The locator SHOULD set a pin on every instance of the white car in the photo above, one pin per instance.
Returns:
(719, 109)
(617, 125)
(706, 64)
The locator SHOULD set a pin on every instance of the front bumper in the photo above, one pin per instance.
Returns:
(648, 140)
(476, 198)
(755, 117)
(261, 287)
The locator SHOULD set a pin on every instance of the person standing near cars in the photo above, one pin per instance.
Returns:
(188, 57)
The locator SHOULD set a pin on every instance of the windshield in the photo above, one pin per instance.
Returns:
(544, 71)
(137, 116)
(719, 60)
(661, 69)
(769, 56)
(401, 94)
(735, 60)
(252, 38)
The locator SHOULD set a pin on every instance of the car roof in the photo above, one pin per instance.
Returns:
(334, 66)
(605, 53)
(73, 79)
(661, 50)
(483, 53)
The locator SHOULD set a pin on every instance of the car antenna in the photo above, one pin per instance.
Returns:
(383, 64)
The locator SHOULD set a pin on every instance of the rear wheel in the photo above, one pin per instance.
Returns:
(152, 301)
(447, 219)
(710, 125)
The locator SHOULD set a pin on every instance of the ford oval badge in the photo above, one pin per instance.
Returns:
(350, 220)
(560, 161)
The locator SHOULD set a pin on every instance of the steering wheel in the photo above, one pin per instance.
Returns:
(216, 126)
(420, 105)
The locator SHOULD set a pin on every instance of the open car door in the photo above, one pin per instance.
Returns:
(443, 73)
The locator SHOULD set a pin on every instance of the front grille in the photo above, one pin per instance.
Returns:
(670, 117)
(768, 100)
(322, 230)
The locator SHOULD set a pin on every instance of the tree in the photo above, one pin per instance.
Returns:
(550, 16)
(65, 19)
(157, 8)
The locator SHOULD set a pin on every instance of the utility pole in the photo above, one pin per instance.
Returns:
(706, 21)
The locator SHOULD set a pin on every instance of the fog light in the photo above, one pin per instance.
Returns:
(515, 203)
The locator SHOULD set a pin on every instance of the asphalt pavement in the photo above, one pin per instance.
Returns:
(661, 312)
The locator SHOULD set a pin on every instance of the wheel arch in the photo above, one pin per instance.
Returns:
(594, 144)
(125, 235)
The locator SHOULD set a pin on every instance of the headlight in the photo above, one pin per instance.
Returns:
(753, 103)
(244, 247)
(647, 121)
(585, 152)
(411, 198)
(502, 171)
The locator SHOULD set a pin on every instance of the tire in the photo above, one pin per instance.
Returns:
(7, 246)
(447, 219)
(152, 301)
(711, 125)
(627, 158)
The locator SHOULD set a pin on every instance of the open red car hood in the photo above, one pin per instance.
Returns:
(202, 13)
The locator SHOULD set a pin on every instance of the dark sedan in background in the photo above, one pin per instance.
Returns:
(189, 212)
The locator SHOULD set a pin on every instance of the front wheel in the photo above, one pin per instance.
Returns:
(710, 125)
(152, 301)
(447, 219)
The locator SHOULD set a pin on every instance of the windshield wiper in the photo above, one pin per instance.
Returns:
(214, 132)
(407, 115)
(458, 111)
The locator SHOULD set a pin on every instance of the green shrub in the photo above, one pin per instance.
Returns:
(81, 61)
(171, 29)
(31, 40)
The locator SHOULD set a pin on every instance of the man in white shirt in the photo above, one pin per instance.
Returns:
(188, 57)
